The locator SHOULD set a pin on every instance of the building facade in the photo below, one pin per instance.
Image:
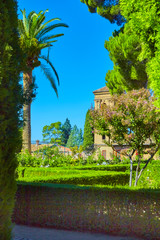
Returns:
(102, 96)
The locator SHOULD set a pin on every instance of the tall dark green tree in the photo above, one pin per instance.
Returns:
(88, 133)
(66, 131)
(10, 105)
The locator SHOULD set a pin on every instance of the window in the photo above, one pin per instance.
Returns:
(103, 137)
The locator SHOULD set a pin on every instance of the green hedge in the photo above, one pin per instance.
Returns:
(82, 178)
(116, 167)
(127, 212)
(32, 171)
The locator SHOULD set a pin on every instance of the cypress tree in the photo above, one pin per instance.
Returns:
(10, 105)
(88, 137)
(66, 131)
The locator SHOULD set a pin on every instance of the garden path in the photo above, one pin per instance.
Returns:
(22, 232)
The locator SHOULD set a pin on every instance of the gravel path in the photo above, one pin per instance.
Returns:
(22, 232)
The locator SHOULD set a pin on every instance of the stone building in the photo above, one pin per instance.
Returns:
(102, 96)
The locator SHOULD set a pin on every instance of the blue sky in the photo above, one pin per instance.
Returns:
(79, 58)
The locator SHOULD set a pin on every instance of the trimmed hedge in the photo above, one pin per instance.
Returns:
(29, 171)
(127, 212)
(116, 167)
(82, 178)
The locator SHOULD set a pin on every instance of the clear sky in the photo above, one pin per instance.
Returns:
(79, 58)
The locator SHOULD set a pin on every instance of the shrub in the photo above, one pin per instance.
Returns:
(151, 176)
(25, 159)
(86, 178)
(10, 106)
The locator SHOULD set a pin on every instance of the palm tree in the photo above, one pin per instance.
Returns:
(34, 37)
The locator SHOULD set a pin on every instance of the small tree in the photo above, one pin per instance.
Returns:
(66, 131)
(131, 121)
(52, 133)
(88, 133)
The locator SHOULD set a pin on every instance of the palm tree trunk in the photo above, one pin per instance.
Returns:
(27, 81)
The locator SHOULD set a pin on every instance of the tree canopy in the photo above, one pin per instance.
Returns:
(88, 135)
(52, 133)
(109, 9)
(66, 131)
(134, 48)
(75, 138)
(131, 121)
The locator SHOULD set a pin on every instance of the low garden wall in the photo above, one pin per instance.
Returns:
(113, 211)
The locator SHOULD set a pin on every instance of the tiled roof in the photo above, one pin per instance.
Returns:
(35, 147)
(103, 89)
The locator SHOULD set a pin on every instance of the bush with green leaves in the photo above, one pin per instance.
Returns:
(151, 176)
(10, 107)
(25, 159)
(83, 178)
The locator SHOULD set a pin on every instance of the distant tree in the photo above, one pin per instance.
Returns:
(52, 133)
(130, 121)
(80, 138)
(73, 139)
(10, 106)
(35, 35)
(88, 133)
(66, 131)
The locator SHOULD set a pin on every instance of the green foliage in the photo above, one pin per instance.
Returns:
(75, 138)
(150, 177)
(34, 38)
(10, 106)
(86, 178)
(80, 138)
(129, 72)
(66, 131)
(109, 9)
(52, 133)
(134, 49)
(35, 35)
(88, 133)
(131, 120)
(25, 159)
(48, 157)
(114, 167)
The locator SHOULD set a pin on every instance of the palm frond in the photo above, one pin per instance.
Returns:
(37, 25)
(45, 38)
(25, 22)
(32, 22)
(21, 28)
(41, 27)
(51, 20)
(49, 76)
(51, 65)
(49, 28)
